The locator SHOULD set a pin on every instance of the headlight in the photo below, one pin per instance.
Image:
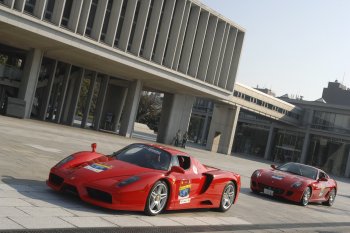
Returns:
(65, 160)
(256, 174)
(128, 181)
(297, 184)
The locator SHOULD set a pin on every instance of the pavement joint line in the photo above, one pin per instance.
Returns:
(15, 222)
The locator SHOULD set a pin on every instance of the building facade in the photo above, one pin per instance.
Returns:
(320, 136)
(86, 62)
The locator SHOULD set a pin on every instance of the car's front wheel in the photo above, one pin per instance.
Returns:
(157, 198)
(228, 197)
(331, 198)
(306, 197)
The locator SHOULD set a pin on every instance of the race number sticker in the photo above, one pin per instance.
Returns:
(97, 167)
(184, 192)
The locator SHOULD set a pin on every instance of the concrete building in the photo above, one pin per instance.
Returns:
(85, 62)
(336, 93)
(319, 134)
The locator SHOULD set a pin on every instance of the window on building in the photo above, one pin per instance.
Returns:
(91, 19)
(133, 27)
(106, 20)
(146, 28)
(50, 4)
(120, 24)
(29, 6)
(66, 13)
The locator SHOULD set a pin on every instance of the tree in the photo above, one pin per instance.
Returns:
(150, 108)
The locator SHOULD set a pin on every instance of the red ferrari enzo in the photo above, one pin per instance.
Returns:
(145, 177)
(295, 182)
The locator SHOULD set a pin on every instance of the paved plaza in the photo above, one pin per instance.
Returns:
(29, 148)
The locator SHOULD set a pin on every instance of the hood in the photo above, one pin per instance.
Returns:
(98, 170)
(276, 178)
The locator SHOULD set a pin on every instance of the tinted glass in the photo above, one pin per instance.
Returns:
(145, 156)
(299, 169)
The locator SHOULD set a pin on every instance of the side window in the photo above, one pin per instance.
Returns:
(184, 162)
(174, 161)
(321, 175)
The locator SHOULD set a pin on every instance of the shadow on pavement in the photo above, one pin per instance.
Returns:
(39, 194)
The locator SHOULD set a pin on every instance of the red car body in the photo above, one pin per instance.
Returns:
(294, 182)
(98, 179)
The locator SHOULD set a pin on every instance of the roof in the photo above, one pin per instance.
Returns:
(170, 150)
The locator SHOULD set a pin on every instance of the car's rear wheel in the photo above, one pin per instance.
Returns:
(157, 198)
(228, 197)
(306, 197)
(331, 198)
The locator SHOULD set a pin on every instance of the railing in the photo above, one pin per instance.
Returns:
(10, 72)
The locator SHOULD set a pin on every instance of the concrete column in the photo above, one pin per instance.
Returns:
(99, 18)
(174, 33)
(181, 35)
(30, 79)
(101, 102)
(48, 90)
(205, 127)
(164, 31)
(222, 53)
(75, 97)
(269, 143)
(114, 104)
(207, 48)
(84, 16)
(347, 169)
(304, 151)
(69, 95)
(75, 15)
(127, 24)
(131, 107)
(113, 22)
(198, 43)
(39, 8)
(176, 114)
(189, 39)
(140, 27)
(152, 29)
(222, 128)
(309, 114)
(235, 61)
(62, 98)
(90, 94)
(226, 63)
(9, 3)
(58, 12)
(215, 53)
(19, 5)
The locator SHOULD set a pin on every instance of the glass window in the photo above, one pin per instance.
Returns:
(91, 17)
(49, 9)
(106, 20)
(145, 156)
(66, 12)
(29, 6)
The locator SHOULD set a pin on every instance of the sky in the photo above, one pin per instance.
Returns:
(291, 46)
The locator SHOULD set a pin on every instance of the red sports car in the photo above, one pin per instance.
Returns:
(145, 177)
(295, 182)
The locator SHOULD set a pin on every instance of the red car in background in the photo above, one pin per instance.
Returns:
(145, 177)
(295, 182)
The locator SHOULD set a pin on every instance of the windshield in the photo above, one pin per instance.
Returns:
(299, 169)
(145, 156)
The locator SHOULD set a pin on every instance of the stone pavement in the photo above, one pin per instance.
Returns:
(29, 148)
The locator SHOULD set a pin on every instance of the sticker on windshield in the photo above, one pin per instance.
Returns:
(97, 167)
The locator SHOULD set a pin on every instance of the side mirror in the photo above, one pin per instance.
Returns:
(273, 166)
(177, 169)
(323, 179)
(93, 147)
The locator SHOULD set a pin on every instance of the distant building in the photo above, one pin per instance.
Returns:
(336, 93)
(266, 91)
